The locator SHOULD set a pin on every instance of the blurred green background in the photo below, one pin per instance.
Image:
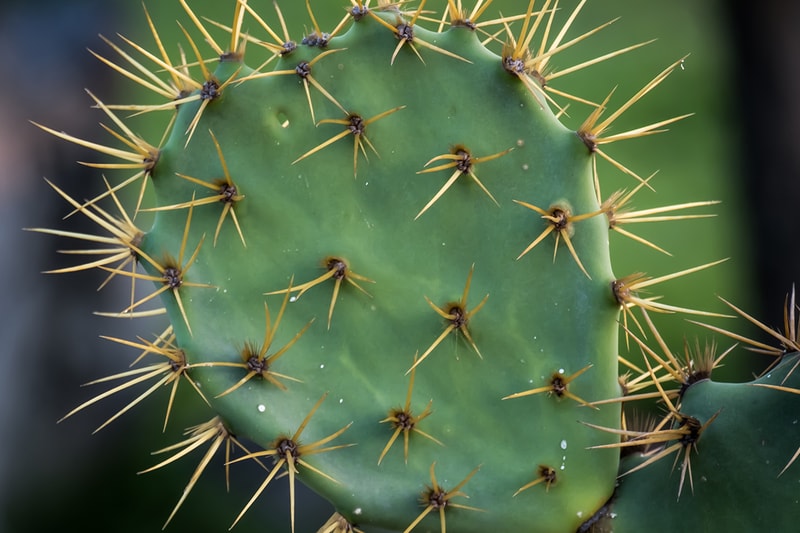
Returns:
(739, 80)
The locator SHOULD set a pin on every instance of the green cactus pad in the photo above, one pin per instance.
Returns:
(519, 323)
(742, 458)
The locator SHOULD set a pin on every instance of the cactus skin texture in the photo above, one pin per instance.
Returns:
(386, 268)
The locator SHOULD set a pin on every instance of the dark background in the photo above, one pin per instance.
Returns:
(741, 80)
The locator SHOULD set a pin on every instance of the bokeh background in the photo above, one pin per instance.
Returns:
(740, 79)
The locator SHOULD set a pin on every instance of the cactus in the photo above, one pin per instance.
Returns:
(385, 264)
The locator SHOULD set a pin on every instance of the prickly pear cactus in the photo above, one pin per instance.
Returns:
(386, 270)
